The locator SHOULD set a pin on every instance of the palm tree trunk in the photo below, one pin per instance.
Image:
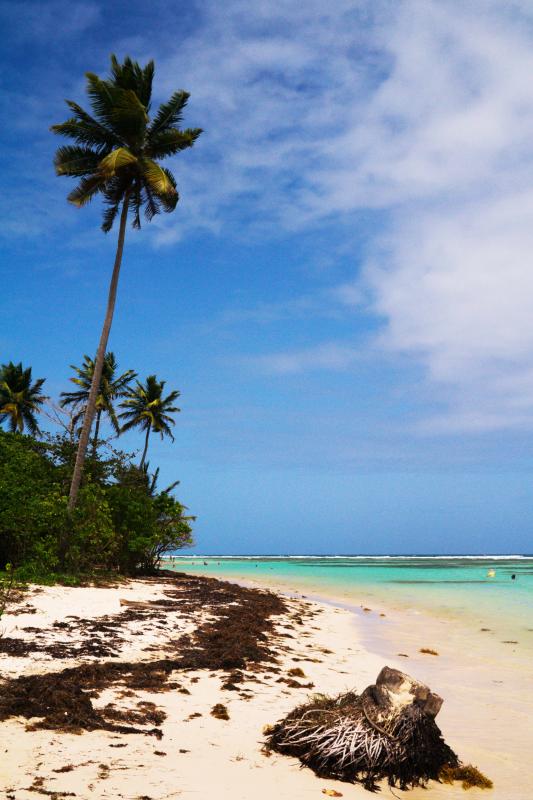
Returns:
(99, 361)
(145, 446)
(96, 431)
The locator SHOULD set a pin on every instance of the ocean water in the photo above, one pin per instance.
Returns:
(464, 587)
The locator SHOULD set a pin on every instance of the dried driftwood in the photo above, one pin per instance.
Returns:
(388, 731)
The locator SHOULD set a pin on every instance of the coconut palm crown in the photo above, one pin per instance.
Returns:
(112, 386)
(147, 409)
(20, 399)
(117, 146)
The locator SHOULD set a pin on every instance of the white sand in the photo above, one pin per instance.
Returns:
(224, 758)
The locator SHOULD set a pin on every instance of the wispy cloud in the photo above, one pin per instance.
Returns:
(329, 356)
(52, 20)
(422, 109)
(328, 303)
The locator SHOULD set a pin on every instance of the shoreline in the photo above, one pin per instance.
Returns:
(450, 602)
(482, 677)
(331, 649)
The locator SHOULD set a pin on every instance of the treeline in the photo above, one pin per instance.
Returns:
(122, 521)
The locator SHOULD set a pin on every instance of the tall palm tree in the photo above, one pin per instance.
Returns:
(112, 386)
(147, 409)
(115, 154)
(20, 399)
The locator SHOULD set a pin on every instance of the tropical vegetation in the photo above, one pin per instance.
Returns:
(147, 409)
(20, 397)
(122, 521)
(112, 387)
(115, 153)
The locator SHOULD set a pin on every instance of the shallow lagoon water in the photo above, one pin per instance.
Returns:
(471, 588)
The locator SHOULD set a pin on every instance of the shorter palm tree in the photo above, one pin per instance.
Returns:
(112, 386)
(20, 399)
(147, 409)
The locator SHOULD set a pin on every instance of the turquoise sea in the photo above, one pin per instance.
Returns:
(480, 587)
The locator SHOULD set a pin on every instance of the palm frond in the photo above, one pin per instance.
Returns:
(130, 75)
(129, 117)
(84, 192)
(136, 204)
(169, 114)
(170, 201)
(103, 97)
(86, 132)
(171, 141)
(114, 192)
(157, 178)
(109, 216)
(151, 204)
(76, 161)
(115, 161)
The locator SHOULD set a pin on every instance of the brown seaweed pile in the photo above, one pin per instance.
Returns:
(468, 775)
(387, 732)
(236, 637)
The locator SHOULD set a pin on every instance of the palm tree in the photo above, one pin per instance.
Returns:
(111, 387)
(115, 154)
(147, 409)
(20, 399)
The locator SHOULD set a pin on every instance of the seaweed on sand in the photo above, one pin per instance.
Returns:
(387, 732)
(235, 637)
(468, 775)
(219, 711)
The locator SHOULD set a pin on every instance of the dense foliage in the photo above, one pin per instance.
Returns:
(122, 522)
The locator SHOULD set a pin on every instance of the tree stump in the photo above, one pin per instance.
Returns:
(387, 731)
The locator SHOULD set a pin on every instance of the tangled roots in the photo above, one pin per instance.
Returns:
(365, 738)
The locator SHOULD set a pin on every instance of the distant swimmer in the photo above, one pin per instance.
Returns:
(205, 564)
(491, 573)
(513, 577)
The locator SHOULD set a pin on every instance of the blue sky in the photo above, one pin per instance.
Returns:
(344, 295)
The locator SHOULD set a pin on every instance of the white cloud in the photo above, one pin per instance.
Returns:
(329, 356)
(422, 109)
(454, 278)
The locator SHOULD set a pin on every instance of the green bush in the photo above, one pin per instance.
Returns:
(120, 522)
(26, 483)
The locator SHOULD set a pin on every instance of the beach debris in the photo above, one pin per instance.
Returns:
(236, 635)
(332, 792)
(386, 732)
(428, 651)
(296, 672)
(219, 711)
(469, 776)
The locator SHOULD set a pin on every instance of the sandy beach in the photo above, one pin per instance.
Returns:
(151, 734)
